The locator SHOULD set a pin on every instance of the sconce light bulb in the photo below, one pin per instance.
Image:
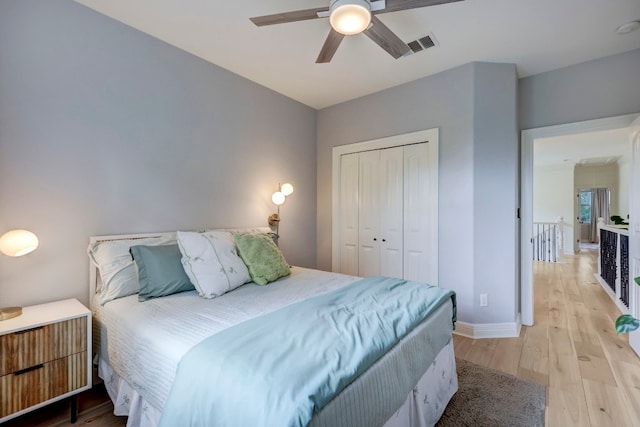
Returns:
(277, 198)
(286, 189)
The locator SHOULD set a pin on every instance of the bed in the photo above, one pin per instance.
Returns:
(139, 346)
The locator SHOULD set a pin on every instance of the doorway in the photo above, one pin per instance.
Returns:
(594, 205)
(528, 140)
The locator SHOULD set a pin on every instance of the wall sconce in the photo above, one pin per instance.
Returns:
(278, 198)
(16, 243)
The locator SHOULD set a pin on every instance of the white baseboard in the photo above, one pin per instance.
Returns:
(489, 330)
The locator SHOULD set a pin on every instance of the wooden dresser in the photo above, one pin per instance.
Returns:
(44, 357)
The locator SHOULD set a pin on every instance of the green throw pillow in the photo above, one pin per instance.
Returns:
(262, 257)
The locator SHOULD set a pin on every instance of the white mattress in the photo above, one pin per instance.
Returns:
(143, 342)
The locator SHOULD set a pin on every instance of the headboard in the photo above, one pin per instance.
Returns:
(94, 276)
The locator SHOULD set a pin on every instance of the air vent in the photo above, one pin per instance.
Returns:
(427, 42)
(423, 43)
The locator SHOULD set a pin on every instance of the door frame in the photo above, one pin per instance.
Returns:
(528, 137)
(430, 135)
(634, 231)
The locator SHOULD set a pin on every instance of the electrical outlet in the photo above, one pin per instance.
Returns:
(483, 300)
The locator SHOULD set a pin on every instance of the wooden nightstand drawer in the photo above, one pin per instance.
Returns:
(36, 346)
(42, 382)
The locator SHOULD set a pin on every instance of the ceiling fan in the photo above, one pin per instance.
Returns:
(350, 17)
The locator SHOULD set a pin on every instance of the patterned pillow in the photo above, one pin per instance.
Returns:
(263, 258)
(211, 262)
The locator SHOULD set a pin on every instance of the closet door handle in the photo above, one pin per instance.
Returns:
(384, 240)
(375, 239)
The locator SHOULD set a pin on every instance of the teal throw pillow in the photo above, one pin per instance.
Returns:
(160, 271)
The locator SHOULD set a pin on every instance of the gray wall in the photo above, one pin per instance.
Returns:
(495, 191)
(472, 143)
(604, 87)
(106, 130)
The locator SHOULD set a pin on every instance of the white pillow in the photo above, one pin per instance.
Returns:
(116, 266)
(211, 262)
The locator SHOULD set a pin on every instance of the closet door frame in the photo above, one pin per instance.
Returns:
(432, 137)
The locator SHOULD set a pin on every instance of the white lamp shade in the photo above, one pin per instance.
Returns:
(18, 242)
(350, 17)
(277, 198)
(286, 189)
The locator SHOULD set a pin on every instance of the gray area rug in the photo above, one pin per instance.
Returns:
(487, 397)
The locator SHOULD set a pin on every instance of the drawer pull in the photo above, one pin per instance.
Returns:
(24, 371)
(26, 331)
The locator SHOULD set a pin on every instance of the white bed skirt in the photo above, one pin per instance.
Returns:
(422, 408)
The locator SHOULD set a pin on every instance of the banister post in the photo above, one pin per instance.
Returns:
(600, 224)
(560, 236)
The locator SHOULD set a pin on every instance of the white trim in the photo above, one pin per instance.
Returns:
(526, 194)
(429, 135)
(618, 229)
(634, 228)
(489, 330)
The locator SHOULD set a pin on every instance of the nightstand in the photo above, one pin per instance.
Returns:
(44, 357)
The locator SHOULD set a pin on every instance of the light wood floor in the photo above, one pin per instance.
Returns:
(592, 375)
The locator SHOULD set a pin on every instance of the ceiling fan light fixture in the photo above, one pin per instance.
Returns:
(350, 17)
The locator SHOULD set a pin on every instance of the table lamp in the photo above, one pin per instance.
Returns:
(16, 243)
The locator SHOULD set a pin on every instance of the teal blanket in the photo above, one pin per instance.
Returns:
(280, 368)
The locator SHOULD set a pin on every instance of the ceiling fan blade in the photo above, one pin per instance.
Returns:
(386, 39)
(281, 18)
(396, 5)
(330, 46)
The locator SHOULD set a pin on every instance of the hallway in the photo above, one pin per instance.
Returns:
(592, 375)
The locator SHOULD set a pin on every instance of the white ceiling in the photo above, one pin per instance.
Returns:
(537, 36)
(592, 148)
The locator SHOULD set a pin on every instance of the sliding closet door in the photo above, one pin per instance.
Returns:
(349, 214)
(420, 211)
(390, 210)
(369, 214)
